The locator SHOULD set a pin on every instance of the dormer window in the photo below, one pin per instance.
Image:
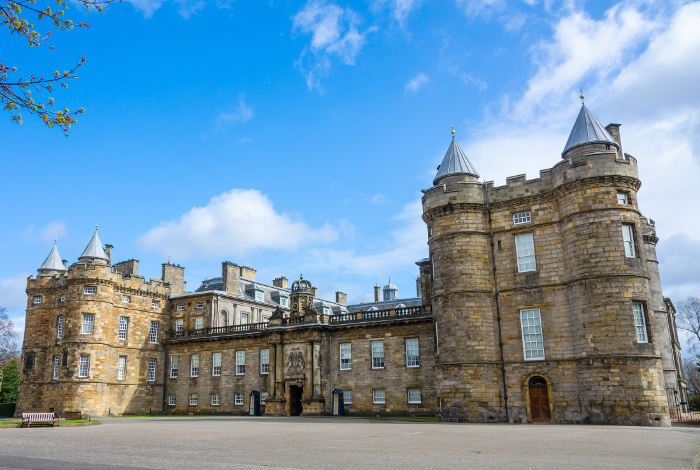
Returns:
(259, 295)
(522, 218)
(284, 301)
(326, 310)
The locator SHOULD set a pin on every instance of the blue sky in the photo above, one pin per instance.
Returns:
(295, 137)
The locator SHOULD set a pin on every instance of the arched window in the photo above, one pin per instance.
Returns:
(223, 318)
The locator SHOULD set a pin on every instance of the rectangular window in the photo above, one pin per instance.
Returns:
(84, 366)
(55, 367)
(263, 397)
(378, 396)
(640, 323)
(522, 218)
(531, 323)
(284, 301)
(412, 353)
(194, 365)
(29, 361)
(153, 333)
(198, 323)
(347, 397)
(180, 307)
(63, 298)
(216, 364)
(59, 327)
(244, 318)
(179, 325)
(214, 399)
(156, 304)
(193, 399)
(326, 310)
(623, 198)
(237, 398)
(88, 323)
(259, 295)
(90, 290)
(628, 240)
(151, 370)
(414, 396)
(525, 251)
(121, 368)
(264, 361)
(377, 354)
(345, 356)
(126, 299)
(123, 322)
(240, 362)
(199, 304)
(37, 299)
(171, 399)
(173, 366)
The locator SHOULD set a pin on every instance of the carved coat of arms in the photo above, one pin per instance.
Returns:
(295, 363)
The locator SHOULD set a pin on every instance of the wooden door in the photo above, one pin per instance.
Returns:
(539, 400)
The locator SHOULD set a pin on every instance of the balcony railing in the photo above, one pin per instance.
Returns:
(220, 330)
(403, 312)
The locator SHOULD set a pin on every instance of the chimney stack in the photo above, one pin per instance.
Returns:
(341, 298)
(108, 252)
(175, 276)
(281, 282)
(614, 130)
(377, 291)
(231, 274)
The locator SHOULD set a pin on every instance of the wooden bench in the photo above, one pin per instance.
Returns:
(73, 415)
(39, 418)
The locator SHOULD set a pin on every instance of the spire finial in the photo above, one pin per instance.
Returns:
(55, 240)
(581, 96)
(96, 226)
(453, 130)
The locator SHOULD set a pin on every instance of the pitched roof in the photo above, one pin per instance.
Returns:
(53, 262)
(94, 249)
(587, 130)
(455, 163)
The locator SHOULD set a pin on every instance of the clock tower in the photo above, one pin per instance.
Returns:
(302, 296)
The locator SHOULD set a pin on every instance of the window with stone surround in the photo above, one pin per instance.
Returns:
(377, 354)
(121, 368)
(151, 370)
(531, 323)
(55, 368)
(215, 399)
(90, 290)
(284, 301)
(525, 252)
(126, 299)
(414, 396)
(623, 198)
(216, 364)
(123, 326)
(194, 365)
(198, 322)
(193, 399)
(263, 397)
(88, 323)
(640, 323)
(264, 361)
(244, 318)
(199, 304)
(240, 362)
(153, 332)
(259, 295)
(62, 298)
(522, 218)
(412, 353)
(37, 299)
(347, 397)
(180, 307)
(179, 325)
(378, 396)
(628, 240)
(155, 303)
(59, 326)
(345, 356)
(173, 366)
(171, 399)
(29, 361)
(237, 399)
(84, 366)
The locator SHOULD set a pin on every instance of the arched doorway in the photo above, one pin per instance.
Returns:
(539, 400)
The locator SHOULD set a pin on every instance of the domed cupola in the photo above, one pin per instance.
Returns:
(587, 130)
(390, 291)
(454, 163)
(94, 253)
(53, 263)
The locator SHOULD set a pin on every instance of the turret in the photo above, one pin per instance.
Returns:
(589, 135)
(53, 264)
(94, 253)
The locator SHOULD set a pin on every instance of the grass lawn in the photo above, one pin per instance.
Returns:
(7, 423)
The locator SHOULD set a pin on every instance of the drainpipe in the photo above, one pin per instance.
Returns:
(330, 368)
(498, 303)
(166, 364)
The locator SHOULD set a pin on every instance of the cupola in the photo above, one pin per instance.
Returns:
(390, 291)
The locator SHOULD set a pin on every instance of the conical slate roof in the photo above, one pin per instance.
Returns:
(455, 163)
(587, 130)
(53, 262)
(94, 249)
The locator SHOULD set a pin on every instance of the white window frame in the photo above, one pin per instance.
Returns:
(62, 298)
(37, 299)
(216, 364)
(153, 332)
(155, 303)
(199, 304)
(640, 323)
(88, 326)
(259, 295)
(55, 367)
(378, 396)
(417, 397)
(240, 362)
(377, 360)
(347, 397)
(180, 307)
(171, 399)
(244, 318)
(238, 399)
(345, 354)
(264, 361)
(193, 399)
(531, 330)
(215, 401)
(59, 326)
(623, 198)
(522, 218)
(263, 397)
(628, 240)
(199, 322)
(525, 252)
(194, 365)
(90, 290)
(84, 366)
(412, 360)
(151, 370)
(126, 299)
(284, 301)
(179, 324)
(123, 327)
(121, 367)
(174, 369)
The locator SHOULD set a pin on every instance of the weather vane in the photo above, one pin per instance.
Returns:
(453, 129)
(581, 96)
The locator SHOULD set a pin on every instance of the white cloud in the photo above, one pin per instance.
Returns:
(400, 9)
(334, 33)
(241, 113)
(147, 7)
(46, 233)
(12, 295)
(416, 83)
(234, 223)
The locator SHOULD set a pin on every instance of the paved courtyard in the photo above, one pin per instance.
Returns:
(272, 443)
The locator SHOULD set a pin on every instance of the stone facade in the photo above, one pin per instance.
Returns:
(540, 301)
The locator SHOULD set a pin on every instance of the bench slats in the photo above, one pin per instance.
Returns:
(39, 418)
